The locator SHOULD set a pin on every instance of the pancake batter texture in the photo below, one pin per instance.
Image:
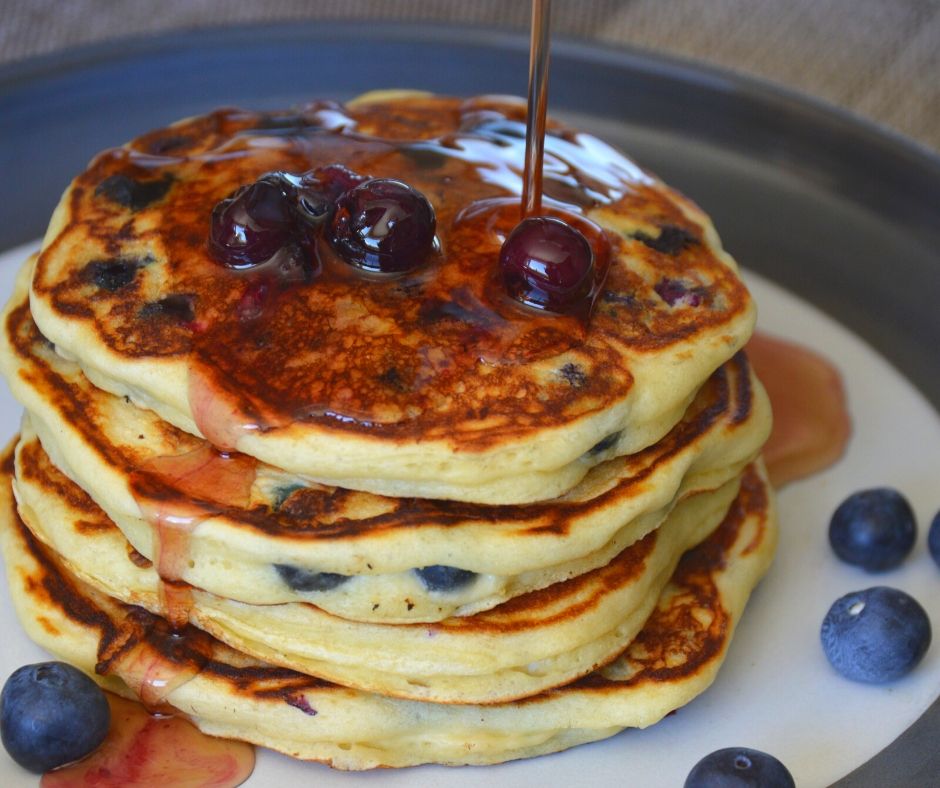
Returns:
(392, 518)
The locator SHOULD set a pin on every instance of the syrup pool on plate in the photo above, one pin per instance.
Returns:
(144, 751)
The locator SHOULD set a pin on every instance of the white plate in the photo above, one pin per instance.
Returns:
(776, 692)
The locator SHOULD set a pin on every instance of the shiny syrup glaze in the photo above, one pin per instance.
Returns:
(811, 421)
(456, 292)
(201, 479)
(438, 354)
(143, 751)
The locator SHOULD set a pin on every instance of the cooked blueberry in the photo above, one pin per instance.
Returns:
(131, 193)
(875, 635)
(51, 714)
(444, 578)
(306, 580)
(281, 494)
(605, 443)
(933, 538)
(249, 227)
(873, 529)
(739, 767)
(112, 275)
(671, 239)
(318, 190)
(547, 264)
(574, 375)
(675, 291)
(384, 226)
(174, 307)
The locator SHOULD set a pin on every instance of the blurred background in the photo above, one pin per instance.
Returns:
(878, 59)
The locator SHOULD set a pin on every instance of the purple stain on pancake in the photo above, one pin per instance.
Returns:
(676, 291)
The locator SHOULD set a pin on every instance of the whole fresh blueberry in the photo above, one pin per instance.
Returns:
(51, 714)
(739, 767)
(873, 529)
(933, 538)
(875, 635)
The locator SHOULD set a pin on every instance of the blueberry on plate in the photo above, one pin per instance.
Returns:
(739, 767)
(933, 538)
(873, 529)
(875, 635)
(51, 714)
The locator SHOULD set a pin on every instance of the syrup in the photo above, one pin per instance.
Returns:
(175, 495)
(142, 751)
(539, 45)
(811, 422)
(254, 332)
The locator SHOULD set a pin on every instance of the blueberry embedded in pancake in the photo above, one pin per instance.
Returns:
(431, 382)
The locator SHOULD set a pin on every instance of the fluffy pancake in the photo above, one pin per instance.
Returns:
(533, 642)
(253, 532)
(225, 693)
(429, 384)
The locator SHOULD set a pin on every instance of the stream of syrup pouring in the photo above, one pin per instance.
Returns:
(539, 45)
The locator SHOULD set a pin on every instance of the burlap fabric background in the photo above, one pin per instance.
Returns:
(877, 58)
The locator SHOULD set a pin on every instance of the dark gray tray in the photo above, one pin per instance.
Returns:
(838, 211)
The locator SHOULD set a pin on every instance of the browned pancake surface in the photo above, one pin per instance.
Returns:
(439, 354)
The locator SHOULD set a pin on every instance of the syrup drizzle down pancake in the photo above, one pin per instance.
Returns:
(430, 384)
(673, 658)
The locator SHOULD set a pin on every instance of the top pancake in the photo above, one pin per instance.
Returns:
(430, 384)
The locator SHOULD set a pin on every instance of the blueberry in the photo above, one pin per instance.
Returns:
(875, 635)
(605, 443)
(51, 714)
(384, 226)
(873, 529)
(739, 767)
(131, 193)
(305, 580)
(933, 538)
(675, 291)
(112, 275)
(671, 239)
(444, 578)
(547, 264)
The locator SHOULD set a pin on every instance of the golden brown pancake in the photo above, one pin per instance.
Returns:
(432, 383)
(532, 642)
(673, 659)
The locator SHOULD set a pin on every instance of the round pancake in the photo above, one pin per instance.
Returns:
(253, 537)
(225, 693)
(428, 384)
(538, 640)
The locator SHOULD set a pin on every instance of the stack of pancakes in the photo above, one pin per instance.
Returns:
(383, 521)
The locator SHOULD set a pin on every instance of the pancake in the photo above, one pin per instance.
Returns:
(432, 383)
(533, 642)
(225, 693)
(266, 537)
